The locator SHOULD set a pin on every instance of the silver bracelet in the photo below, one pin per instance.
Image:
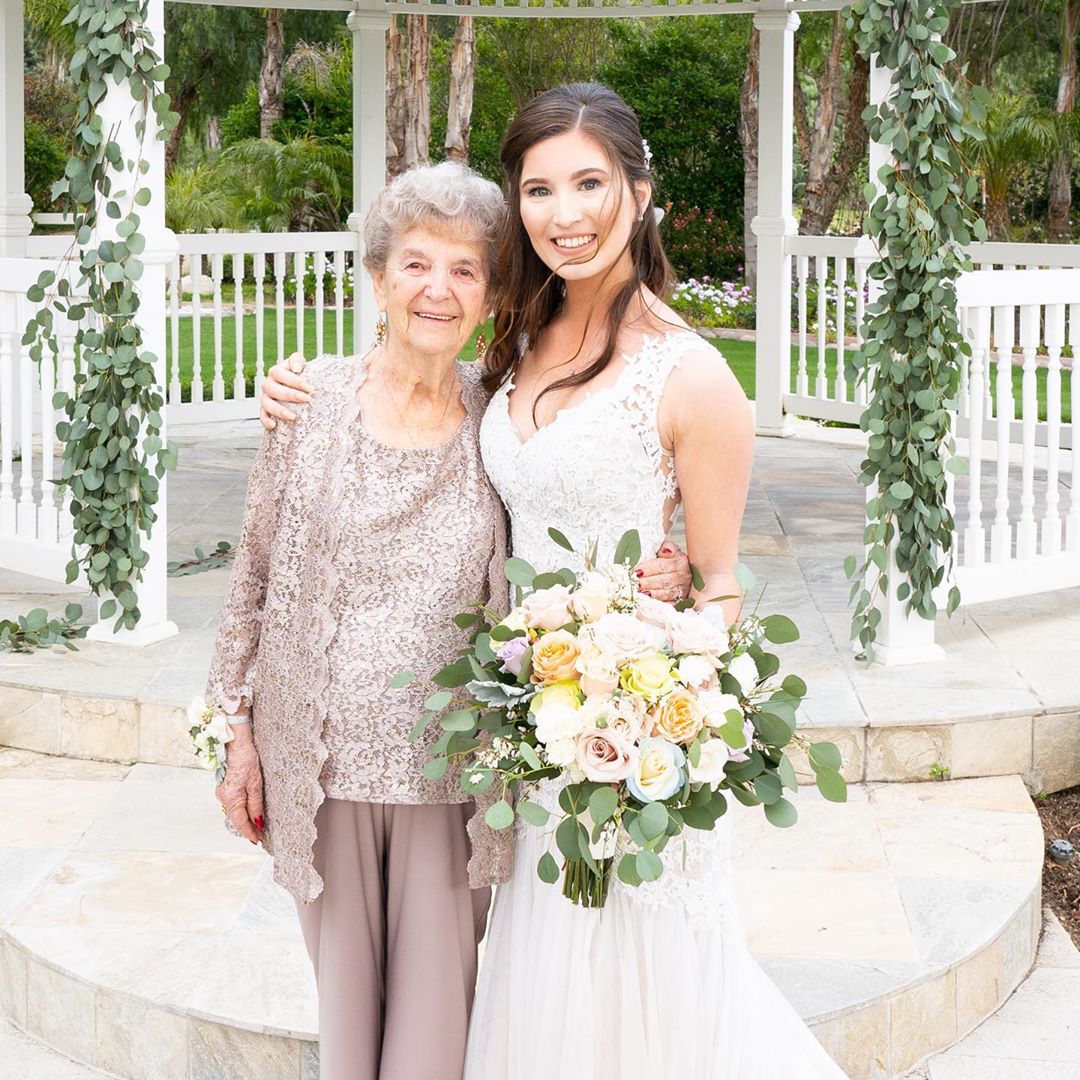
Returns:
(239, 718)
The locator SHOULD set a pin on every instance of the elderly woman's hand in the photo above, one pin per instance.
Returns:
(241, 792)
(668, 576)
(284, 382)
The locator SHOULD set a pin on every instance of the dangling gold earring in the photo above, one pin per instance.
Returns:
(481, 347)
(382, 329)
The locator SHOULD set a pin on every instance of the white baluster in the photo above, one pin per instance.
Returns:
(239, 381)
(258, 270)
(279, 302)
(1050, 526)
(841, 327)
(1026, 530)
(196, 328)
(299, 265)
(174, 331)
(320, 270)
(339, 300)
(974, 553)
(47, 519)
(217, 269)
(8, 345)
(1004, 339)
(821, 389)
(26, 513)
(860, 314)
(801, 383)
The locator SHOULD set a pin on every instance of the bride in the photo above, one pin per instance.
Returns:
(608, 413)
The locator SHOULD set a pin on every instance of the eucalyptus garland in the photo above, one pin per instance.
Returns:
(114, 456)
(921, 214)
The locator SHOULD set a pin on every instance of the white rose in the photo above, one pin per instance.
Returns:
(696, 670)
(623, 636)
(201, 741)
(557, 713)
(691, 632)
(593, 597)
(710, 766)
(716, 706)
(561, 752)
(743, 669)
(598, 671)
(515, 620)
(547, 609)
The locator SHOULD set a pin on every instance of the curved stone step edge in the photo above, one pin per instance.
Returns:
(38, 1061)
(1043, 748)
(117, 1031)
(135, 1038)
(890, 1034)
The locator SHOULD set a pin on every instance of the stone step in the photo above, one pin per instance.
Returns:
(137, 935)
(25, 1058)
(1036, 1033)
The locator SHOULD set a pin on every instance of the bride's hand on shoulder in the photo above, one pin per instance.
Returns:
(667, 576)
(283, 383)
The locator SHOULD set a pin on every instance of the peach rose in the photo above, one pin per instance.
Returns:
(630, 717)
(547, 609)
(605, 757)
(623, 637)
(554, 658)
(678, 718)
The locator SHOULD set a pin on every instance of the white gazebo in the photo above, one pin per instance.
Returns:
(1034, 543)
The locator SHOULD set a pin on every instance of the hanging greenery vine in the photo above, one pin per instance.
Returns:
(114, 456)
(921, 214)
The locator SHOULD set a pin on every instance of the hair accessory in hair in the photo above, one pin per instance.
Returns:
(647, 153)
(658, 213)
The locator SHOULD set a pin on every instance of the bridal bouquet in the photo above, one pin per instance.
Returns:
(649, 714)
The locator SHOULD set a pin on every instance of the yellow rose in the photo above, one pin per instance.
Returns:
(554, 658)
(678, 717)
(651, 676)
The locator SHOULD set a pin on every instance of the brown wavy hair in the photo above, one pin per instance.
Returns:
(529, 294)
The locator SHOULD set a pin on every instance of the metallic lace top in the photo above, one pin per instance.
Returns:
(354, 557)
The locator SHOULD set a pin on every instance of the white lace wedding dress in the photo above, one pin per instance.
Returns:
(658, 984)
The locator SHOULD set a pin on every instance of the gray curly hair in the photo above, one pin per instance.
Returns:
(448, 194)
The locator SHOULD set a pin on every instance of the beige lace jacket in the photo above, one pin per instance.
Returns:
(277, 618)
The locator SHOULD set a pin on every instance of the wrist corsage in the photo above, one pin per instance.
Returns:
(209, 732)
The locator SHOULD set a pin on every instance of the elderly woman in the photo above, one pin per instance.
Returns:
(369, 523)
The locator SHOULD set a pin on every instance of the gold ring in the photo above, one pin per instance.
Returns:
(224, 809)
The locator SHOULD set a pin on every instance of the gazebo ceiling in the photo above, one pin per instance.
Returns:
(551, 9)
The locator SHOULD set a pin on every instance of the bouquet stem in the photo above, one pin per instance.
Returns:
(583, 886)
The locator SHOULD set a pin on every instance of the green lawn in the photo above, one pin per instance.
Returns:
(740, 355)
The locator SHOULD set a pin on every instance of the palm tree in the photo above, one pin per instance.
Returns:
(195, 201)
(1016, 133)
(294, 186)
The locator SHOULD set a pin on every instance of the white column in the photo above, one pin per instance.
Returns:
(118, 112)
(369, 28)
(15, 204)
(774, 222)
(902, 638)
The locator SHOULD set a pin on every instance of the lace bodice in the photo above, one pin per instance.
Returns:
(593, 472)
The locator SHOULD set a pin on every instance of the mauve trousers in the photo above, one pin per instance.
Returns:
(393, 939)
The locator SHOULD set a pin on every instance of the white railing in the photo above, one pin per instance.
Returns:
(824, 268)
(35, 523)
(1018, 507)
(236, 306)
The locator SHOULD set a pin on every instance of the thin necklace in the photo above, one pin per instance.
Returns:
(401, 415)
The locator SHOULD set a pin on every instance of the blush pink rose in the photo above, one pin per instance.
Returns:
(605, 757)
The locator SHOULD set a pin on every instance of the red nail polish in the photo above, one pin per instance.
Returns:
(639, 572)
(259, 822)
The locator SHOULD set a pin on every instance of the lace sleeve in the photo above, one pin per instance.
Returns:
(237, 641)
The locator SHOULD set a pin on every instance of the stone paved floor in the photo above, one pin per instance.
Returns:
(124, 877)
(804, 515)
(25, 1058)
